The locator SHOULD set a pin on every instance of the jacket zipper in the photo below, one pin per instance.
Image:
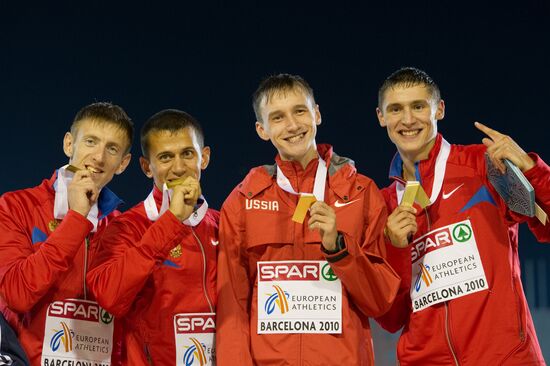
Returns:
(518, 302)
(86, 246)
(447, 333)
(203, 272)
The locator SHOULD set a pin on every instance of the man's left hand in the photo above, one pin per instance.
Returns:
(501, 147)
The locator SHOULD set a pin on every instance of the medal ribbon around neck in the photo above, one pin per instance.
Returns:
(153, 213)
(61, 203)
(318, 186)
(306, 199)
(440, 167)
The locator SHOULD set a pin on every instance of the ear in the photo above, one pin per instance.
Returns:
(124, 163)
(146, 167)
(440, 112)
(205, 157)
(261, 131)
(68, 144)
(380, 116)
(317, 115)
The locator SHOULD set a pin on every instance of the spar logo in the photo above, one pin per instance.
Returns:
(289, 271)
(63, 336)
(105, 317)
(80, 310)
(279, 298)
(196, 351)
(437, 239)
(328, 274)
(424, 275)
(462, 233)
(195, 323)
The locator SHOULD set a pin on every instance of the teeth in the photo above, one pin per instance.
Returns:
(410, 133)
(92, 170)
(295, 138)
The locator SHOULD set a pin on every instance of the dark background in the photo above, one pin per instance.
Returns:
(491, 62)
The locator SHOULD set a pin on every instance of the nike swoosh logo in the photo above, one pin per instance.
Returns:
(342, 204)
(214, 242)
(447, 195)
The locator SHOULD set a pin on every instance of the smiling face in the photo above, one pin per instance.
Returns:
(100, 147)
(174, 155)
(289, 120)
(410, 115)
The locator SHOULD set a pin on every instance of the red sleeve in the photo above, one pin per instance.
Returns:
(127, 255)
(234, 292)
(27, 275)
(398, 314)
(400, 260)
(365, 274)
(539, 177)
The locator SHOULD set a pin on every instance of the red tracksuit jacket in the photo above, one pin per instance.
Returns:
(489, 327)
(256, 226)
(41, 263)
(136, 278)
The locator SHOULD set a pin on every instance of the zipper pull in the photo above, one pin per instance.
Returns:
(86, 246)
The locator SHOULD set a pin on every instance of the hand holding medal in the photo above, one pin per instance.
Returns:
(186, 192)
(82, 192)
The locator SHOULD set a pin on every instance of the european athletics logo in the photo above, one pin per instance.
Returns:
(279, 298)
(195, 350)
(65, 336)
(424, 275)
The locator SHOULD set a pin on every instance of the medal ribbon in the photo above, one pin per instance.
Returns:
(318, 186)
(153, 213)
(61, 203)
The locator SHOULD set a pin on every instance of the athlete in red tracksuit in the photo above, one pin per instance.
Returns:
(41, 265)
(141, 277)
(263, 285)
(45, 251)
(157, 267)
(461, 300)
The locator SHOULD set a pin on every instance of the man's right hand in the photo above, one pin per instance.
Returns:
(184, 198)
(401, 226)
(82, 192)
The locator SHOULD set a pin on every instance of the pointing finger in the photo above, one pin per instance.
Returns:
(493, 134)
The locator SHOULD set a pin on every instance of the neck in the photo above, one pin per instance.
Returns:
(305, 159)
(408, 171)
(409, 159)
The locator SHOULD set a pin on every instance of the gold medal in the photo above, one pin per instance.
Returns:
(176, 251)
(304, 203)
(53, 224)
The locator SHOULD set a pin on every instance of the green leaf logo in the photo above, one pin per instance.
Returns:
(327, 273)
(462, 233)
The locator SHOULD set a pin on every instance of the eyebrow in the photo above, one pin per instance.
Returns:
(390, 106)
(278, 111)
(90, 136)
(187, 148)
(112, 143)
(416, 101)
(297, 106)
